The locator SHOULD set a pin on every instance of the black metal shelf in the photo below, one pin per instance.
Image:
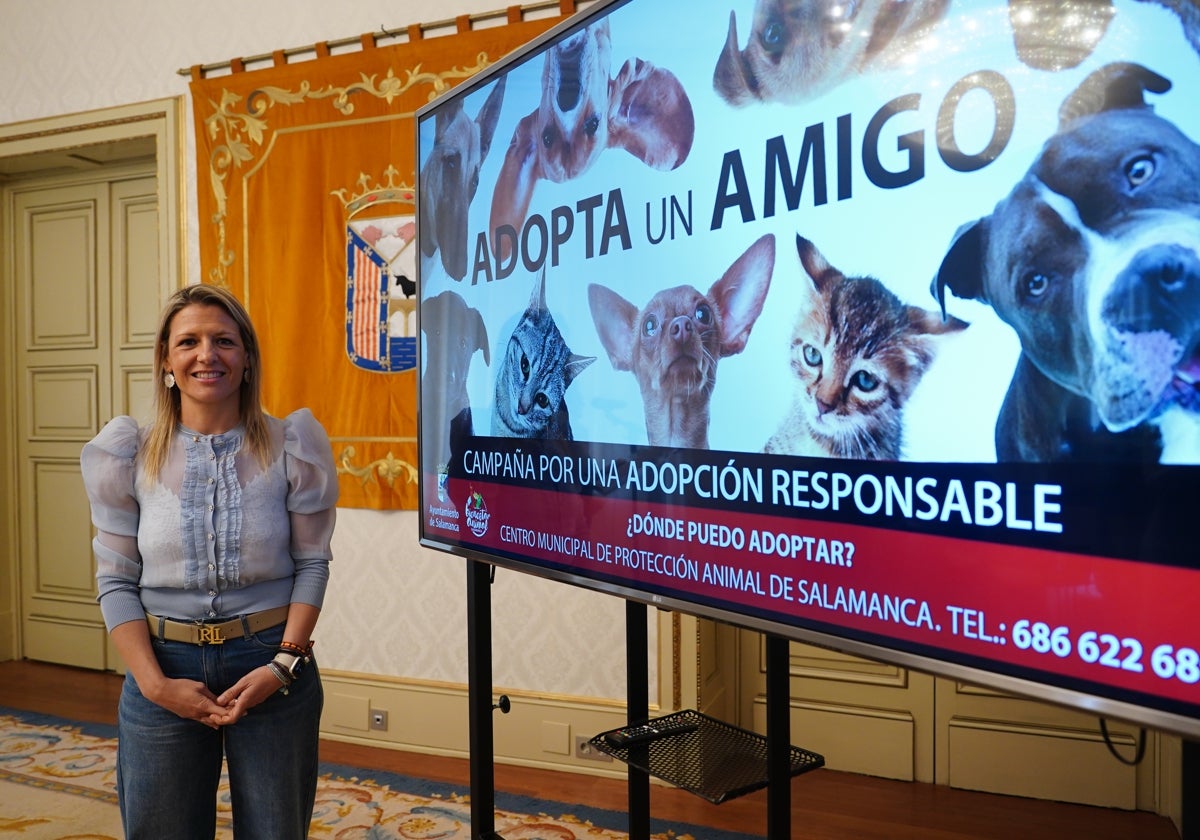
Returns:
(715, 761)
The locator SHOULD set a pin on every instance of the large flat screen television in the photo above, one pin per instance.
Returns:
(868, 324)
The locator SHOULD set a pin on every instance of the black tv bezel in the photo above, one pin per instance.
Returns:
(1102, 701)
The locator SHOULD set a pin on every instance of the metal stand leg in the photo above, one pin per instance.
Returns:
(779, 741)
(1190, 790)
(637, 682)
(479, 675)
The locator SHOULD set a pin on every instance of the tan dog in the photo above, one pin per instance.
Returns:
(799, 49)
(449, 180)
(672, 346)
(583, 111)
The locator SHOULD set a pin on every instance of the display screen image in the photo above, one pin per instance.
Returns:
(873, 325)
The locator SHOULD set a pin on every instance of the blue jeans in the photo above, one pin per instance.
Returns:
(168, 768)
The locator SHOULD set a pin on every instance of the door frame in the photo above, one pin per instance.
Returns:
(160, 119)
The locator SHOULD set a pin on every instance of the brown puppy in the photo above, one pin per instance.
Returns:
(583, 111)
(672, 346)
(799, 49)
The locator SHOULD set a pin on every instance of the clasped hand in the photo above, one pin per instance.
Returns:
(193, 700)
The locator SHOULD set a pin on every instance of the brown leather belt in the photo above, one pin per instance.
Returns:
(199, 633)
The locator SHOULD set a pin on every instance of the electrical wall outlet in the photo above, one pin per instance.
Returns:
(378, 720)
(583, 749)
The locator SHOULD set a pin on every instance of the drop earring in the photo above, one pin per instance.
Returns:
(169, 380)
(246, 375)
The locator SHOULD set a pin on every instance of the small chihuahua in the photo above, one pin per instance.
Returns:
(672, 346)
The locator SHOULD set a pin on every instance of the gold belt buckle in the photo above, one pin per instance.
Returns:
(211, 635)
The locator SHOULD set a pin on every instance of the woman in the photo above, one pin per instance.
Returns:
(213, 549)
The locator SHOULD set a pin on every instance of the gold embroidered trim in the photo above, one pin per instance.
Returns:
(388, 469)
(239, 135)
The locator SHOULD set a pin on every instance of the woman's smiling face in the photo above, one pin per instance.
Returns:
(207, 356)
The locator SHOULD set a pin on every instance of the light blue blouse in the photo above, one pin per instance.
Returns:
(217, 535)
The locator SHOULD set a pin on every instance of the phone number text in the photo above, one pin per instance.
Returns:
(1127, 654)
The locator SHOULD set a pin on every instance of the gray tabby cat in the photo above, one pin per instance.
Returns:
(858, 354)
(533, 376)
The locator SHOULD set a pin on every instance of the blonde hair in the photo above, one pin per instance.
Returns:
(167, 409)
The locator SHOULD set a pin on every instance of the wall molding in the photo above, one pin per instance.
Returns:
(432, 717)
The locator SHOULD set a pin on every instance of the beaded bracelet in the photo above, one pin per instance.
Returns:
(302, 652)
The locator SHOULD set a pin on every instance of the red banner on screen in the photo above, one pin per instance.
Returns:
(1101, 621)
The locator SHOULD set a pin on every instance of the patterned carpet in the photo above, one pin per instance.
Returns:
(58, 782)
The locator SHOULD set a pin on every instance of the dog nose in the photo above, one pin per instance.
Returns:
(1158, 290)
(1175, 274)
(681, 328)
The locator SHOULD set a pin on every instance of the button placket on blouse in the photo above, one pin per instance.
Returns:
(210, 500)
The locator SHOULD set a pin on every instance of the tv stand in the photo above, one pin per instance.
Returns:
(708, 757)
(1190, 790)
(479, 701)
(716, 761)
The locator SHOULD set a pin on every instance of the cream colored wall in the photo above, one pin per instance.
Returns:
(393, 610)
(398, 609)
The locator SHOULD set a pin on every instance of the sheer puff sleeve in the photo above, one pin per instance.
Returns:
(311, 503)
(108, 463)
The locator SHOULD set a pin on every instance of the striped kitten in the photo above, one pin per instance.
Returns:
(857, 353)
(533, 376)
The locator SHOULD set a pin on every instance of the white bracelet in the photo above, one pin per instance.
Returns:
(285, 661)
(285, 680)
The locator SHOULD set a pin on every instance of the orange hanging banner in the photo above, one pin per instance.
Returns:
(306, 179)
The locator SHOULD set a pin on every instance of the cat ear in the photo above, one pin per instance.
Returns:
(961, 270)
(537, 301)
(740, 293)
(815, 265)
(616, 324)
(574, 366)
(925, 331)
(925, 322)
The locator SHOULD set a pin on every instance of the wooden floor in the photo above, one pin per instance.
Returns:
(826, 805)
